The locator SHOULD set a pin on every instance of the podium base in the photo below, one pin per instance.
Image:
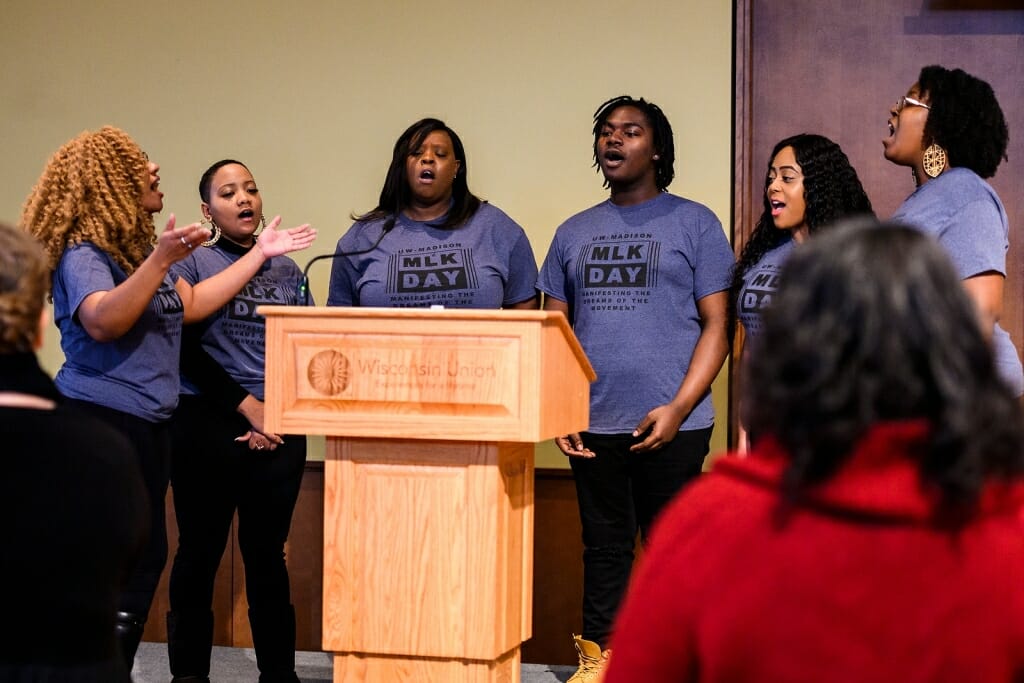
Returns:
(368, 668)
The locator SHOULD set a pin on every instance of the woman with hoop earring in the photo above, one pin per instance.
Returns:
(224, 461)
(951, 132)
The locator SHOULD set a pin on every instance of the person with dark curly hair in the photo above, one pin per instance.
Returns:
(950, 130)
(446, 246)
(643, 279)
(810, 184)
(874, 532)
(120, 311)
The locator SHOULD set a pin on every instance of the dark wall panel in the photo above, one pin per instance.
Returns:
(835, 68)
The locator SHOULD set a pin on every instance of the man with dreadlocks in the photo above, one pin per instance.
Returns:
(643, 278)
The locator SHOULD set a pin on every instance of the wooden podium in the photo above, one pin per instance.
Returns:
(431, 416)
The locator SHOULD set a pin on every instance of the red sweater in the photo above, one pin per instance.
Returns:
(855, 585)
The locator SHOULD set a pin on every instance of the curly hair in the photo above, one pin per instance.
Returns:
(23, 285)
(870, 323)
(965, 119)
(661, 129)
(91, 191)
(396, 195)
(832, 191)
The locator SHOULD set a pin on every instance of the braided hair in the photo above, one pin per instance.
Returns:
(660, 128)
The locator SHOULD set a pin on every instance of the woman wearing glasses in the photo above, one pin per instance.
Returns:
(950, 131)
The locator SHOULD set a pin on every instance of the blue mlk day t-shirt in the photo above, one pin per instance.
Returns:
(760, 283)
(136, 373)
(964, 213)
(487, 262)
(632, 277)
(235, 335)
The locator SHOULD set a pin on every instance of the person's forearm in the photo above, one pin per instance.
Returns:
(109, 315)
(206, 297)
(709, 353)
(708, 357)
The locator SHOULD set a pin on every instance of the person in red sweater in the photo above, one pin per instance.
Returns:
(875, 533)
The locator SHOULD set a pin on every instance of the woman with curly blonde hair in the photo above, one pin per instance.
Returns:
(120, 311)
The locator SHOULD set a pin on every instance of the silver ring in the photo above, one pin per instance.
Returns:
(184, 242)
(259, 447)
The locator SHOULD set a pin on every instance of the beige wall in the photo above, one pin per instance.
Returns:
(311, 95)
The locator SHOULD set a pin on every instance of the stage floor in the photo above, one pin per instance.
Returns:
(238, 665)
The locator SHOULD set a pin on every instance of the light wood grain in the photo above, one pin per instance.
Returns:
(428, 547)
(382, 669)
(450, 374)
(428, 478)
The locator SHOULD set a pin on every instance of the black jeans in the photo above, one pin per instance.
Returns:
(619, 493)
(153, 449)
(212, 476)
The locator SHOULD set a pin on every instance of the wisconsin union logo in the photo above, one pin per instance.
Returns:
(329, 372)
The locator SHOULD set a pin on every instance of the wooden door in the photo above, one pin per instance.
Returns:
(835, 68)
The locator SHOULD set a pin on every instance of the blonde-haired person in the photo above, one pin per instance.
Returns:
(68, 472)
(120, 312)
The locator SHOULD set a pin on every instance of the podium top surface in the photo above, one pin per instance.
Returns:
(416, 313)
(554, 318)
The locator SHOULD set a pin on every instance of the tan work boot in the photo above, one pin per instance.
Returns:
(592, 661)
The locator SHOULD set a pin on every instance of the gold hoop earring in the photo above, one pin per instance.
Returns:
(263, 226)
(214, 232)
(934, 161)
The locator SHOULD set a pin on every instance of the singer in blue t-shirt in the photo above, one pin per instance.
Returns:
(224, 462)
(430, 241)
(643, 277)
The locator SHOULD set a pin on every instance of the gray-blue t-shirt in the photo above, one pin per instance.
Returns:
(965, 214)
(485, 263)
(235, 335)
(632, 277)
(136, 373)
(760, 283)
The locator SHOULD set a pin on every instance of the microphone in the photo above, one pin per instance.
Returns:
(304, 282)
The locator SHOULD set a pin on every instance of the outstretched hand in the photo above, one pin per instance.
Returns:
(274, 242)
(175, 243)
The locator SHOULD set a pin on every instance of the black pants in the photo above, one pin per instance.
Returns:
(619, 493)
(212, 477)
(153, 449)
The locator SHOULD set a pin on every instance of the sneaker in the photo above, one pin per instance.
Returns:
(592, 661)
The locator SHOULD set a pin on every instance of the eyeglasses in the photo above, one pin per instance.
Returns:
(904, 101)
